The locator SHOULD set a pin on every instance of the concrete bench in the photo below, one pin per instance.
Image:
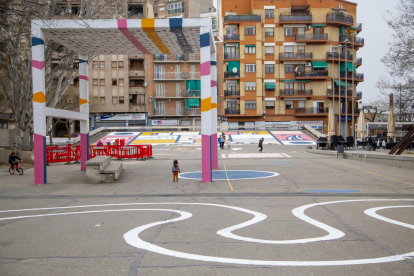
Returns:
(100, 170)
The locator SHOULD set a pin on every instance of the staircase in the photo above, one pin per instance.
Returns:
(404, 143)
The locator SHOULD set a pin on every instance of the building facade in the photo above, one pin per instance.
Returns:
(284, 60)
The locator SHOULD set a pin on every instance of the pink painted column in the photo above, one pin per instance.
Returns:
(206, 130)
(84, 108)
(39, 99)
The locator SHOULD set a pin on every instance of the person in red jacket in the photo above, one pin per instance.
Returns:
(175, 170)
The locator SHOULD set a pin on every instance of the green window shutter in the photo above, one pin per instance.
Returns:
(270, 85)
(233, 64)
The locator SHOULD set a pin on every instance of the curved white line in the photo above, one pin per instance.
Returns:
(373, 213)
(273, 174)
(132, 238)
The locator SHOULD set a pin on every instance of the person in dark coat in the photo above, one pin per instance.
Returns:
(261, 144)
(219, 141)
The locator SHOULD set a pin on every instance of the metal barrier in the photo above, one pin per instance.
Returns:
(69, 153)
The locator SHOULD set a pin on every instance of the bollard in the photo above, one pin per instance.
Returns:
(339, 150)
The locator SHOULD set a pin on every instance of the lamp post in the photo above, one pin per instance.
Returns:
(346, 87)
(333, 87)
(339, 90)
(353, 87)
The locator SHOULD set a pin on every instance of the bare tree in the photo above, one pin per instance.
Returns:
(15, 53)
(374, 109)
(400, 61)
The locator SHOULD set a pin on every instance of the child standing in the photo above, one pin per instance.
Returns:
(175, 170)
(228, 143)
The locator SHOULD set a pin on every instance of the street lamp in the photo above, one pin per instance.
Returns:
(339, 90)
(346, 87)
(353, 87)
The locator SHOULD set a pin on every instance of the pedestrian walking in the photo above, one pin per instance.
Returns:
(228, 143)
(219, 141)
(175, 170)
(261, 144)
(223, 139)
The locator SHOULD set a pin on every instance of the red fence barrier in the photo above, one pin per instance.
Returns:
(69, 153)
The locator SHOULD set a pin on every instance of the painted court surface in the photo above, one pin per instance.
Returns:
(280, 212)
(236, 138)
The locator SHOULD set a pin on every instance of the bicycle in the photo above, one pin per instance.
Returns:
(17, 168)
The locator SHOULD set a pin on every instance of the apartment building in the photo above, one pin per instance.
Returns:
(283, 61)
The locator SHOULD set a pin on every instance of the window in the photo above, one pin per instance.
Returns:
(121, 100)
(269, 31)
(301, 49)
(250, 68)
(102, 82)
(301, 86)
(121, 82)
(318, 30)
(250, 50)
(177, 7)
(251, 105)
(269, 68)
(301, 31)
(161, 9)
(301, 104)
(289, 104)
(102, 64)
(95, 64)
(288, 49)
(250, 31)
(114, 100)
(95, 100)
(250, 86)
(269, 50)
(102, 100)
(113, 64)
(95, 82)
(288, 68)
(289, 88)
(135, 10)
(288, 31)
(114, 82)
(270, 104)
(299, 67)
(269, 13)
(120, 64)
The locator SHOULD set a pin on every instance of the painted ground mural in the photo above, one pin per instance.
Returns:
(190, 138)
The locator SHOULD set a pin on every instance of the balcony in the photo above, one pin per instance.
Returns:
(177, 112)
(358, 41)
(238, 18)
(231, 37)
(359, 27)
(228, 93)
(295, 56)
(179, 10)
(316, 38)
(356, 111)
(176, 76)
(291, 93)
(136, 72)
(295, 17)
(357, 76)
(323, 111)
(192, 58)
(191, 93)
(359, 61)
(232, 111)
(339, 18)
(192, 112)
(232, 56)
(168, 94)
(231, 75)
(344, 93)
(319, 74)
(168, 58)
(359, 95)
(336, 56)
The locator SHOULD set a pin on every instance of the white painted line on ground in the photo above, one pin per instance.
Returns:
(223, 155)
(286, 155)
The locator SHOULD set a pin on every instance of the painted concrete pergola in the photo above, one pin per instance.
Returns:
(123, 37)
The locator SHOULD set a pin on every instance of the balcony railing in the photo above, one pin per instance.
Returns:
(356, 40)
(232, 111)
(232, 56)
(295, 56)
(348, 75)
(179, 10)
(231, 92)
(172, 58)
(312, 74)
(359, 61)
(311, 37)
(343, 92)
(168, 111)
(231, 37)
(312, 110)
(340, 17)
(191, 93)
(292, 92)
(359, 27)
(168, 94)
(359, 95)
(295, 17)
(176, 75)
(192, 112)
(235, 18)
(231, 75)
(334, 55)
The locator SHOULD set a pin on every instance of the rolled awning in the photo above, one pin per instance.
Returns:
(318, 25)
(320, 64)
(270, 85)
(342, 83)
(250, 45)
(295, 80)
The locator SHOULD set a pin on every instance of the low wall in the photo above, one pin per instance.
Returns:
(7, 138)
(399, 161)
(27, 156)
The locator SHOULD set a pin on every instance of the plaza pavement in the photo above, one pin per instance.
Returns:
(92, 242)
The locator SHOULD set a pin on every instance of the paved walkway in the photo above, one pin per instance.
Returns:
(309, 215)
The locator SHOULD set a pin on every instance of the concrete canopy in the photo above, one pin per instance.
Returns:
(126, 37)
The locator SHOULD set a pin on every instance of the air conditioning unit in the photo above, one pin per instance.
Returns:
(308, 27)
(308, 64)
(340, 7)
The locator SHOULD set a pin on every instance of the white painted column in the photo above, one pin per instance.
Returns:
(214, 145)
(84, 108)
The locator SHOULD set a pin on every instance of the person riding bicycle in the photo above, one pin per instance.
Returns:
(12, 159)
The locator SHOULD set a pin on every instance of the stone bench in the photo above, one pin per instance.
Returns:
(100, 170)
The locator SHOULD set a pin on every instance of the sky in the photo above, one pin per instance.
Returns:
(377, 35)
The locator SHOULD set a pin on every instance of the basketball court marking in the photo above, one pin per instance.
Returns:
(230, 175)
(133, 239)
(256, 155)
